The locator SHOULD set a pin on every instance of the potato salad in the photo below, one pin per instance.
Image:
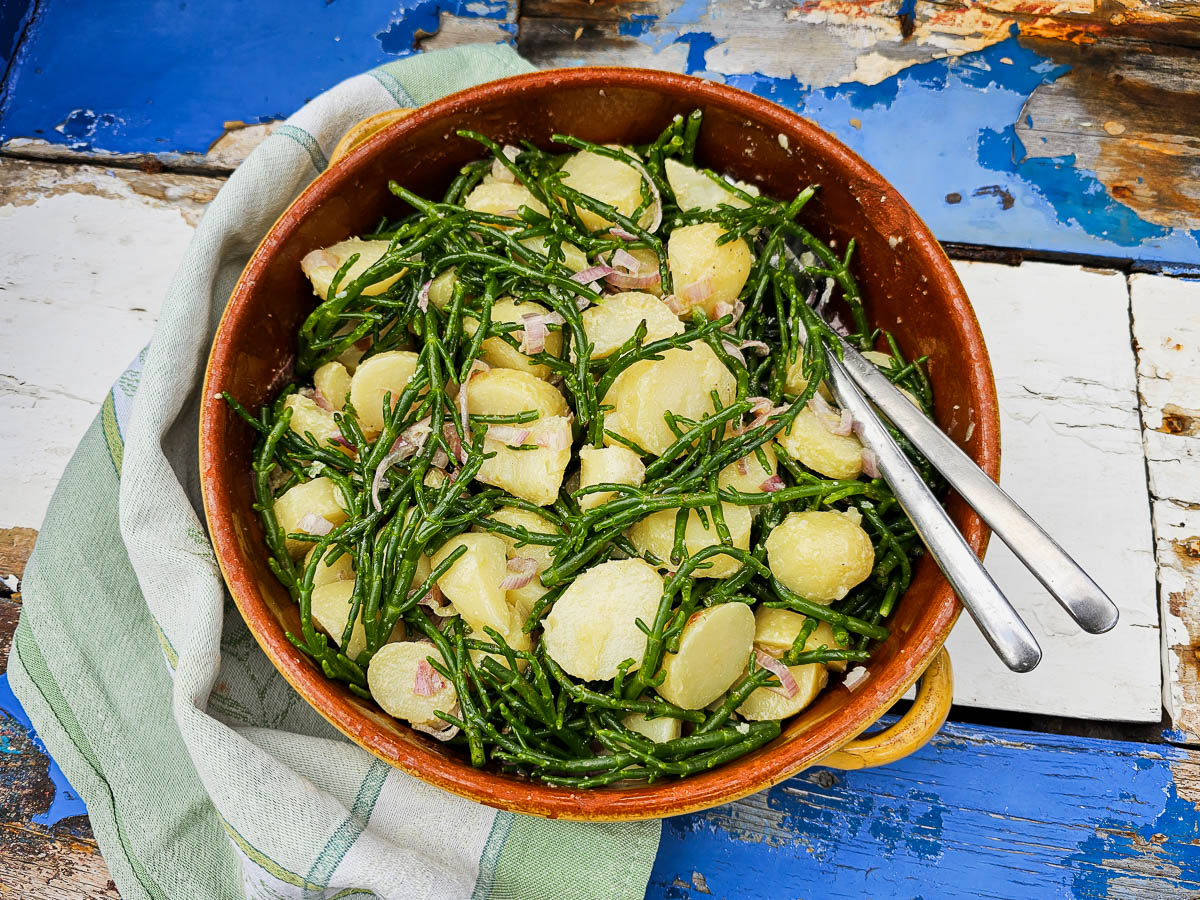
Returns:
(560, 480)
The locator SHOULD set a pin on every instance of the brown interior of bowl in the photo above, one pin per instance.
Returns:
(907, 282)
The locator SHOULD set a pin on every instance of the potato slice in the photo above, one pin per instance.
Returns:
(441, 288)
(697, 259)
(747, 474)
(333, 381)
(695, 190)
(764, 703)
(809, 442)
(820, 555)
(612, 321)
(659, 730)
(608, 180)
(331, 608)
(319, 498)
(608, 465)
(392, 678)
(713, 650)
(573, 258)
(506, 392)
(523, 598)
(503, 198)
(309, 418)
(328, 573)
(501, 354)
(472, 584)
(681, 382)
(655, 534)
(534, 475)
(322, 265)
(794, 381)
(590, 630)
(775, 631)
(382, 374)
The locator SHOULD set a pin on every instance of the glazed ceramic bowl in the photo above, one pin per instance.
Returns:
(909, 288)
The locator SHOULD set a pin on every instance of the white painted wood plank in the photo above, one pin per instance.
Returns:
(1059, 339)
(1166, 327)
(87, 255)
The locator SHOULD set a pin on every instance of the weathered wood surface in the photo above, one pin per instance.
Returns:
(1166, 327)
(88, 255)
(1058, 337)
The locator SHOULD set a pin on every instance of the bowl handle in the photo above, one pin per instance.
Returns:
(360, 131)
(915, 728)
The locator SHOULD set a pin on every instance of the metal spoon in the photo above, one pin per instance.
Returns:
(1075, 591)
(1009, 636)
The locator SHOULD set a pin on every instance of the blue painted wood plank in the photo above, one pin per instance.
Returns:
(157, 76)
(977, 813)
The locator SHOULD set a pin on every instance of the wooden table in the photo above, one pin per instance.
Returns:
(1052, 145)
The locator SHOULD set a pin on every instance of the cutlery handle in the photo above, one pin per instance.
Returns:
(1009, 636)
(1066, 581)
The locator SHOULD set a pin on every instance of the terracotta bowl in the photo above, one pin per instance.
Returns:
(909, 288)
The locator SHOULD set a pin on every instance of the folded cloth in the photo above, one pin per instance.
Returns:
(204, 773)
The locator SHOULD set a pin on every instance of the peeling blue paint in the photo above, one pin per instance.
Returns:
(131, 76)
(66, 802)
(977, 813)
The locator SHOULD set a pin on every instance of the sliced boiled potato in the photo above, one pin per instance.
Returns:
(523, 598)
(591, 629)
(695, 190)
(327, 572)
(701, 266)
(885, 362)
(747, 474)
(820, 555)
(392, 679)
(535, 474)
(499, 353)
(681, 382)
(655, 534)
(573, 258)
(612, 321)
(608, 465)
(319, 498)
(765, 703)
(810, 443)
(775, 631)
(659, 730)
(333, 381)
(322, 265)
(608, 180)
(385, 373)
(309, 418)
(441, 288)
(794, 381)
(472, 584)
(507, 392)
(713, 650)
(502, 198)
(331, 608)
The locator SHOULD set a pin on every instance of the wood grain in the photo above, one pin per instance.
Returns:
(1166, 327)
(89, 253)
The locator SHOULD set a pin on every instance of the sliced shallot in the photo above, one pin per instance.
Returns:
(311, 523)
(477, 366)
(534, 330)
(787, 684)
(423, 297)
(440, 734)
(629, 280)
(697, 292)
(511, 435)
(622, 234)
(772, 484)
(521, 571)
(855, 677)
(450, 436)
(427, 681)
(500, 172)
(592, 273)
(870, 463)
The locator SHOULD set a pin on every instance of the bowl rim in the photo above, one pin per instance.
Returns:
(725, 783)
